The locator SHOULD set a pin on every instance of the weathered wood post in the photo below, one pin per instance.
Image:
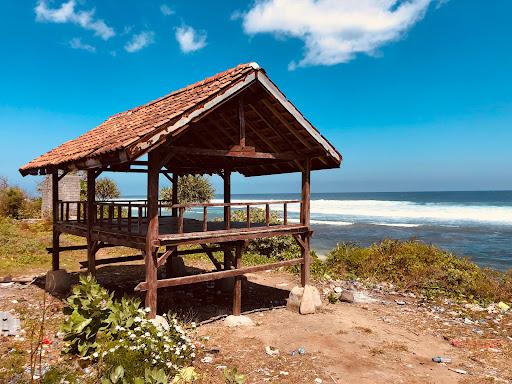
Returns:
(237, 291)
(91, 219)
(55, 219)
(227, 215)
(152, 234)
(305, 212)
(174, 197)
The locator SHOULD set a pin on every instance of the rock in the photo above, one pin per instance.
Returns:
(271, 351)
(362, 297)
(400, 302)
(57, 281)
(160, 322)
(346, 296)
(504, 307)
(294, 299)
(238, 321)
(338, 289)
(316, 298)
(307, 304)
(207, 359)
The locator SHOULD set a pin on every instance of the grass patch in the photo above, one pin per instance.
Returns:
(414, 265)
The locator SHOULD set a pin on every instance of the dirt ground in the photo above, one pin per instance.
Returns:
(377, 342)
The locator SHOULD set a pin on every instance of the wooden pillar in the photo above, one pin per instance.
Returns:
(228, 258)
(152, 233)
(227, 198)
(237, 291)
(55, 219)
(175, 181)
(305, 213)
(91, 219)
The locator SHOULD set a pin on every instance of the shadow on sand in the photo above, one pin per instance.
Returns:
(193, 302)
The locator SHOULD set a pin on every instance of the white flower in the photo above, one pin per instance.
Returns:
(137, 319)
(95, 354)
(147, 334)
(132, 336)
(192, 355)
(147, 309)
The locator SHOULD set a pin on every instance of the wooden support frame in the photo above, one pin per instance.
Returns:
(209, 253)
(305, 220)
(150, 252)
(218, 275)
(91, 220)
(237, 289)
(55, 219)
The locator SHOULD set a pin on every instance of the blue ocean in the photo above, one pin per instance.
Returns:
(473, 224)
(477, 225)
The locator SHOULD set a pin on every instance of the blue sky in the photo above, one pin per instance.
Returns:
(415, 94)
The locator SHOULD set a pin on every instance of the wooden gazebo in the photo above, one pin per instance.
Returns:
(235, 121)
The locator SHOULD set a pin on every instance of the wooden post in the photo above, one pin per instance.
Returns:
(241, 118)
(227, 216)
(91, 218)
(174, 193)
(237, 291)
(227, 199)
(55, 218)
(305, 212)
(152, 233)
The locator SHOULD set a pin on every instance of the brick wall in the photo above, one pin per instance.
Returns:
(69, 190)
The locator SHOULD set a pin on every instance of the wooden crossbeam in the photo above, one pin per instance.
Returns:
(238, 152)
(209, 253)
(142, 286)
(163, 258)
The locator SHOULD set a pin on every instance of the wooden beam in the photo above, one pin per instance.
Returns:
(218, 275)
(209, 253)
(55, 219)
(91, 219)
(77, 247)
(152, 233)
(305, 213)
(241, 118)
(112, 260)
(237, 153)
(227, 198)
(174, 198)
(163, 258)
(237, 289)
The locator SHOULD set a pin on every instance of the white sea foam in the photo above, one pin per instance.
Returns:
(401, 213)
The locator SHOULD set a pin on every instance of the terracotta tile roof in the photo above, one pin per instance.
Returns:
(122, 130)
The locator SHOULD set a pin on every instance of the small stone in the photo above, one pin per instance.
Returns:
(271, 351)
(346, 296)
(400, 302)
(238, 321)
(338, 289)
(318, 380)
(207, 359)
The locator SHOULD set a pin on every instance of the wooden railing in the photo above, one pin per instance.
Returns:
(130, 216)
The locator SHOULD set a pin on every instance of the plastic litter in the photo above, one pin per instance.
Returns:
(440, 359)
(300, 351)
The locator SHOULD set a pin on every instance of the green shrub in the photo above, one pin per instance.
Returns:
(414, 265)
(12, 200)
(118, 334)
(88, 310)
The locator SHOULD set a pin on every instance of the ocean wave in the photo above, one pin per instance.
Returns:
(392, 211)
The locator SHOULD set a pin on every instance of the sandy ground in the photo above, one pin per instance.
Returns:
(380, 342)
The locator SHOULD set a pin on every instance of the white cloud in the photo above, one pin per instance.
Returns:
(189, 39)
(166, 10)
(66, 13)
(76, 43)
(335, 31)
(139, 41)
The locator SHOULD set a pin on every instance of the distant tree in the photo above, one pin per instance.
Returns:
(191, 189)
(106, 189)
(12, 200)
